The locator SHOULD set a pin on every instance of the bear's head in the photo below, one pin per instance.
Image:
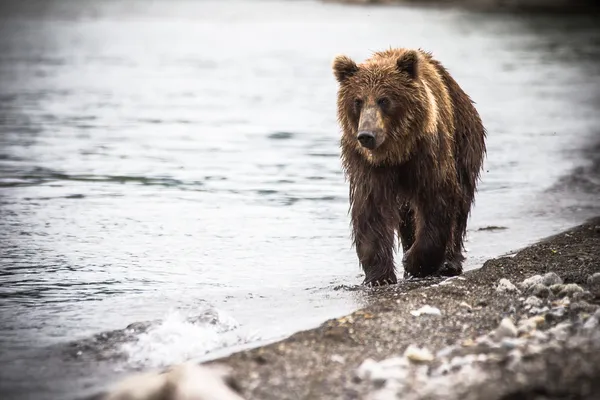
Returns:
(383, 104)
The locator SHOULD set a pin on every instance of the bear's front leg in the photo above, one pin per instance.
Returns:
(374, 226)
(433, 231)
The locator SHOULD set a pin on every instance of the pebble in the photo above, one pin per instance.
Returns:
(538, 310)
(185, 381)
(593, 322)
(506, 329)
(338, 359)
(540, 290)
(581, 307)
(570, 289)
(445, 352)
(531, 281)
(460, 361)
(556, 288)
(380, 372)
(511, 343)
(583, 296)
(530, 324)
(533, 301)
(594, 280)
(506, 286)
(417, 354)
(428, 310)
(551, 278)
(515, 356)
(555, 314)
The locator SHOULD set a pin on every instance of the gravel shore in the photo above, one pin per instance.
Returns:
(521, 327)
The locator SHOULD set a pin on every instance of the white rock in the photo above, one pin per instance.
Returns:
(427, 310)
(338, 359)
(445, 352)
(506, 329)
(185, 381)
(530, 282)
(506, 286)
(560, 331)
(551, 278)
(418, 354)
(570, 289)
(380, 372)
(593, 322)
(533, 301)
(538, 310)
(529, 324)
(461, 361)
(594, 279)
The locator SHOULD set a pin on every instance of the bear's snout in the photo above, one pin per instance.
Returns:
(367, 139)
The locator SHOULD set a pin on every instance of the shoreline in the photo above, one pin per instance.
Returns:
(535, 310)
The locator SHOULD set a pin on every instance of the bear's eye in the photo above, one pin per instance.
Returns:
(358, 103)
(383, 102)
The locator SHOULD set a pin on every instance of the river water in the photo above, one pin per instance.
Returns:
(178, 162)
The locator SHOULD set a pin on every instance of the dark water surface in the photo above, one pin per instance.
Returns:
(178, 162)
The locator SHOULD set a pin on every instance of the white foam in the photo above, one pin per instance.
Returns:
(179, 338)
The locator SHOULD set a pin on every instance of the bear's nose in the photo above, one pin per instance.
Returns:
(367, 139)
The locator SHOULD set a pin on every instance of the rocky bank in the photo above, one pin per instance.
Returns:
(525, 326)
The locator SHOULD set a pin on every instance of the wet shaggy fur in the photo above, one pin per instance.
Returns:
(417, 176)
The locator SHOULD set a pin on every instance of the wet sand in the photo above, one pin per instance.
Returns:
(507, 336)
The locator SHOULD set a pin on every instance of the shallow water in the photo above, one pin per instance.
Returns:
(160, 161)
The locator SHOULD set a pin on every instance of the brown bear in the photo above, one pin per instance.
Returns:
(412, 149)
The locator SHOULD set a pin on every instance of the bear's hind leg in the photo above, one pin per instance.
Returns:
(455, 258)
(433, 233)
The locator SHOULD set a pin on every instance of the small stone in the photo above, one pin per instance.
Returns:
(460, 361)
(560, 331)
(593, 322)
(380, 372)
(562, 302)
(530, 282)
(594, 280)
(338, 359)
(514, 356)
(556, 288)
(583, 296)
(578, 307)
(428, 310)
(482, 358)
(551, 278)
(538, 310)
(533, 301)
(538, 335)
(510, 343)
(570, 289)
(445, 352)
(506, 286)
(417, 354)
(555, 314)
(506, 329)
(533, 349)
(530, 324)
(465, 305)
(540, 291)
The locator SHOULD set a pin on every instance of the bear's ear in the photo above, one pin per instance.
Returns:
(344, 68)
(408, 63)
